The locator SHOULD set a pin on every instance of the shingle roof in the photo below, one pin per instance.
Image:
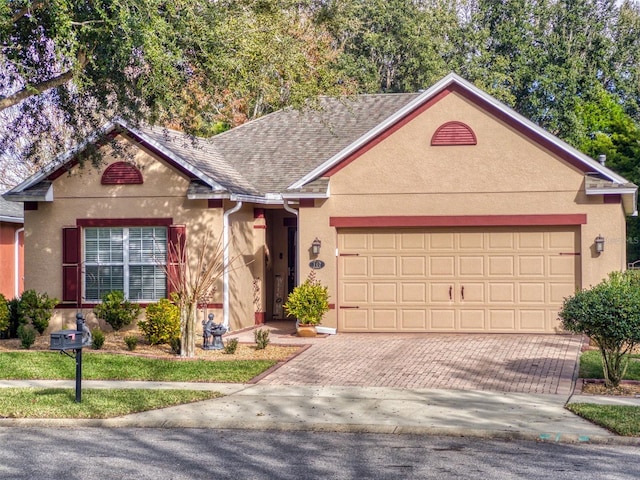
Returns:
(268, 154)
(11, 210)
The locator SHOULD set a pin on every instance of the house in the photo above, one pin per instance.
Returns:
(444, 211)
(11, 249)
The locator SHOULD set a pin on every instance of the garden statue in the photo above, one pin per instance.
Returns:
(212, 330)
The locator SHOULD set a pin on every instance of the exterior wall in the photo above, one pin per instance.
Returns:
(8, 260)
(504, 174)
(81, 196)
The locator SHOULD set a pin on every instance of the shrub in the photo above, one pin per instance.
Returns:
(174, 343)
(116, 311)
(162, 322)
(36, 308)
(308, 302)
(5, 315)
(231, 346)
(261, 336)
(98, 339)
(132, 342)
(27, 336)
(609, 314)
(14, 318)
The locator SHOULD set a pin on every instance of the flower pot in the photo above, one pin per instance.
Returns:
(306, 330)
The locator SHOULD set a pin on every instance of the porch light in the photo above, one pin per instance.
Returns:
(599, 244)
(315, 246)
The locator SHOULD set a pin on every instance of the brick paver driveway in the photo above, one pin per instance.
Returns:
(508, 363)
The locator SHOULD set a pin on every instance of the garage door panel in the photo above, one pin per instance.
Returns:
(468, 279)
(533, 292)
(502, 320)
(354, 267)
(413, 293)
(501, 266)
(532, 320)
(355, 293)
(472, 320)
(501, 292)
(384, 292)
(413, 266)
(384, 267)
(472, 292)
(442, 319)
(442, 266)
(384, 319)
(354, 320)
(469, 266)
(413, 319)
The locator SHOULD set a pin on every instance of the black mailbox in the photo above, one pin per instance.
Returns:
(66, 340)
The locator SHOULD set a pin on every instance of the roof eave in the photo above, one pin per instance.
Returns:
(6, 219)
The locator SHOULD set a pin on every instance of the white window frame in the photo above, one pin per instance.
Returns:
(125, 264)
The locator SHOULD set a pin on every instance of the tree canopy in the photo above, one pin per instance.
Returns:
(203, 66)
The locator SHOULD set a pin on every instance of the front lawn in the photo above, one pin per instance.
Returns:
(103, 366)
(591, 366)
(103, 403)
(620, 419)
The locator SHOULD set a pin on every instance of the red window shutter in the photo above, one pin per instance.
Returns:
(70, 264)
(176, 254)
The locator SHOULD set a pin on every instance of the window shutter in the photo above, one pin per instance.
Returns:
(70, 261)
(176, 254)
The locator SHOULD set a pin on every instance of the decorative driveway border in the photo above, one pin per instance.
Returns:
(541, 364)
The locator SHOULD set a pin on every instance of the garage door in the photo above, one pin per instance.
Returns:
(465, 280)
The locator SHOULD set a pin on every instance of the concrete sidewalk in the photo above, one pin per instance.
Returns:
(481, 414)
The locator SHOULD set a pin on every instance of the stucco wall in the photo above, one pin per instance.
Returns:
(504, 174)
(81, 196)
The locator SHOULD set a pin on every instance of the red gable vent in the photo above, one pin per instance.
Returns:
(121, 173)
(454, 133)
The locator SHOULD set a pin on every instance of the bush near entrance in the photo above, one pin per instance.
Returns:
(609, 314)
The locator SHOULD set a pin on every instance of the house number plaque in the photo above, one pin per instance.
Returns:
(316, 264)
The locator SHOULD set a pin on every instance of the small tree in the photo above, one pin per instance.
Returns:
(116, 311)
(36, 308)
(162, 322)
(609, 314)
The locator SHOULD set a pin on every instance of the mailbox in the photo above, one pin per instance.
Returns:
(66, 340)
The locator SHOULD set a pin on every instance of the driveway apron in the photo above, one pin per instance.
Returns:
(542, 364)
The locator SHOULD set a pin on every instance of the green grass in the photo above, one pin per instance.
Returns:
(103, 403)
(103, 366)
(591, 366)
(620, 419)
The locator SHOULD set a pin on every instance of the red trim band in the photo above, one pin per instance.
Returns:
(124, 222)
(460, 221)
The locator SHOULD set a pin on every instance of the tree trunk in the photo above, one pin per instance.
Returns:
(188, 325)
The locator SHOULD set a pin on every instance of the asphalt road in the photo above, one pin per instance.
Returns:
(158, 454)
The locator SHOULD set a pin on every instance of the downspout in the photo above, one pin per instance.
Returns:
(16, 262)
(225, 262)
(295, 212)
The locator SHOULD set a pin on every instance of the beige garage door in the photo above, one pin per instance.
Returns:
(465, 280)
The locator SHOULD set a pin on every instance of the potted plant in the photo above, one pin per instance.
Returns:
(308, 303)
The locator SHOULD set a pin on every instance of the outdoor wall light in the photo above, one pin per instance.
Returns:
(599, 244)
(315, 246)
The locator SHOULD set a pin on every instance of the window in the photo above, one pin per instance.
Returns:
(130, 259)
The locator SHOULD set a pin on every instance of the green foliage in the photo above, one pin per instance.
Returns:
(27, 336)
(231, 346)
(5, 315)
(261, 337)
(308, 302)
(36, 308)
(14, 318)
(117, 311)
(162, 322)
(97, 340)
(176, 345)
(609, 314)
(131, 341)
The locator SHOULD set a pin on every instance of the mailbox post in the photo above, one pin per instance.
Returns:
(64, 340)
